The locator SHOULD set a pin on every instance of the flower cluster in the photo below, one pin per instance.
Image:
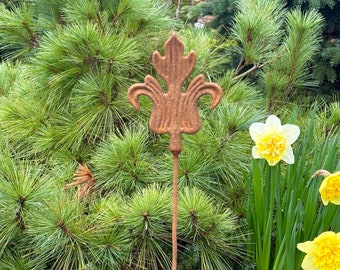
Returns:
(273, 143)
(324, 252)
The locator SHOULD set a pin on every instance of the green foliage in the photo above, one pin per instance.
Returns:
(332, 54)
(88, 55)
(316, 4)
(123, 163)
(19, 30)
(69, 58)
(211, 51)
(223, 10)
(16, 260)
(324, 63)
(334, 117)
(56, 232)
(9, 76)
(211, 232)
(286, 75)
(24, 188)
(147, 216)
(328, 61)
(257, 27)
(21, 119)
(108, 240)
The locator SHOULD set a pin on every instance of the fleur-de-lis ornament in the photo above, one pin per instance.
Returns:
(174, 112)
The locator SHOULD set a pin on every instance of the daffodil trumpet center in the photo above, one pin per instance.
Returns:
(330, 189)
(327, 254)
(331, 193)
(323, 253)
(272, 147)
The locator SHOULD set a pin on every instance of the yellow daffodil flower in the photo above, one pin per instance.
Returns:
(330, 189)
(273, 141)
(323, 253)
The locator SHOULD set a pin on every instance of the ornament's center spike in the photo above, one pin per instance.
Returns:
(174, 112)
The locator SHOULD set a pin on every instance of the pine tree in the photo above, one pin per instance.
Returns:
(324, 67)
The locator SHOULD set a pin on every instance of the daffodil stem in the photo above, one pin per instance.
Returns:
(265, 183)
(271, 183)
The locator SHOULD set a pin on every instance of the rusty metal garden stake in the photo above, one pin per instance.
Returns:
(174, 112)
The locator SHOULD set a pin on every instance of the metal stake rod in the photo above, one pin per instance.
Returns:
(174, 211)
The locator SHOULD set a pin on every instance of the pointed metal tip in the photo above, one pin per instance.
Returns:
(174, 36)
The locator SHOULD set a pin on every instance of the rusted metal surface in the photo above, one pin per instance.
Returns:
(174, 112)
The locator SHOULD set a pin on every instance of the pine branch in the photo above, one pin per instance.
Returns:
(252, 69)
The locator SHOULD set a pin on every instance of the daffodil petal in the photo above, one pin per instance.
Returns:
(323, 184)
(273, 162)
(329, 234)
(324, 201)
(291, 132)
(256, 130)
(336, 174)
(289, 155)
(306, 247)
(336, 201)
(273, 123)
(255, 153)
(308, 264)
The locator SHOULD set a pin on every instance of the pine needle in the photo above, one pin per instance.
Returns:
(83, 177)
